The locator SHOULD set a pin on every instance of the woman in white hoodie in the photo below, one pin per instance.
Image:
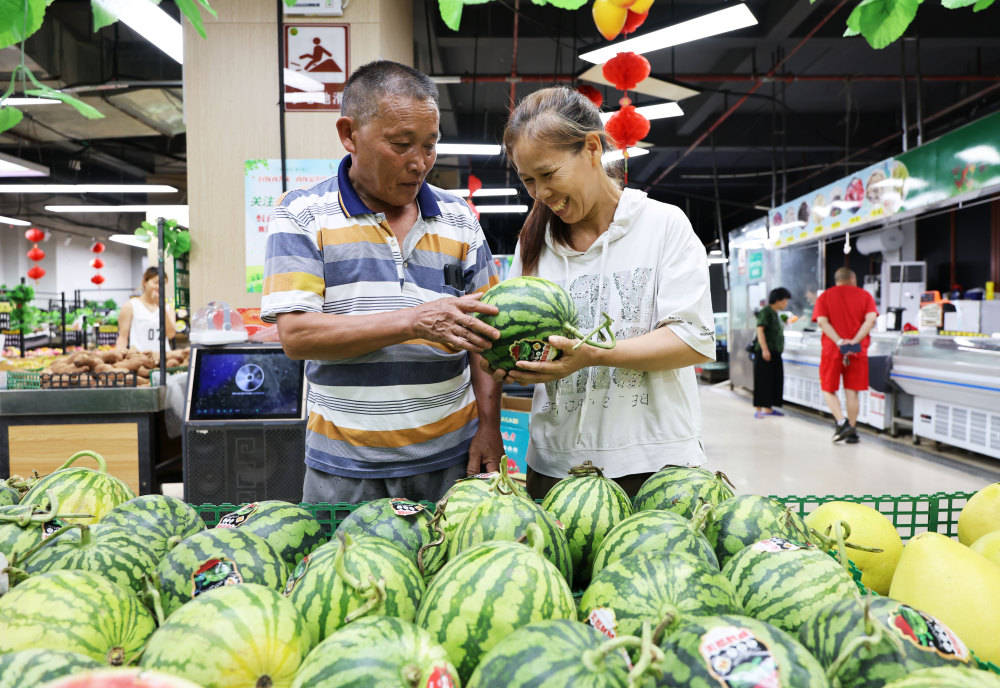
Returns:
(634, 408)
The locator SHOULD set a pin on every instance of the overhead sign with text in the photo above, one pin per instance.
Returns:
(316, 65)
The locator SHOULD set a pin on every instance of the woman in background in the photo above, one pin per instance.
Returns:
(768, 372)
(139, 319)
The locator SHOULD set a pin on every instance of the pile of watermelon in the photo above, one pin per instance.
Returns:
(687, 585)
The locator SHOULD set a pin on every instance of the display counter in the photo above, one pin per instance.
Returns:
(955, 383)
(41, 428)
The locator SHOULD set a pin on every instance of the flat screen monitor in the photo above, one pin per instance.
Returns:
(245, 383)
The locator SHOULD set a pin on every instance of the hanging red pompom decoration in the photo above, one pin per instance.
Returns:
(625, 70)
(475, 184)
(36, 272)
(36, 253)
(633, 20)
(34, 235)
(591, 94)
(97, 263)
(98, 247)
(97, 279)
(627, 127)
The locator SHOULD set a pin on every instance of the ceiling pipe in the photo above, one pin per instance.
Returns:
(732, 78)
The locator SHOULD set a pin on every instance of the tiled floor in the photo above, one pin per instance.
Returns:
(795, 455)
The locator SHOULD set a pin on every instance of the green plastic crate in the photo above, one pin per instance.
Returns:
(23, 379)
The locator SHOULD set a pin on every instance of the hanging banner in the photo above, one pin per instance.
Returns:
(961, 163)
(262, 191)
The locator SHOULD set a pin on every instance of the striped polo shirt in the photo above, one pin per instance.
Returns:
(404, 409)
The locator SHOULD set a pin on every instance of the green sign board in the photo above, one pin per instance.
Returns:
(755, 265)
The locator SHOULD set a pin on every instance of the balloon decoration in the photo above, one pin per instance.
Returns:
(613, 17)
(97, 263)
(35, 254)
(591, 94)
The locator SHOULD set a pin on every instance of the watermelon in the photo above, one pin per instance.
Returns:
(464, 496)
(488, 592)
(239, 636)
(876, 640)
(77, 611)
(948, 677)
(81, 490)
(22, 527)
(216, 558)
(507, 517)
(741, 521)
(32, 668)
(121, 678)
(409, 525)
(291, 529)
(588, 505)
(736, 651)
(109, 550)
(377, 651)
(784, 583)
(658, 588)
(682, 489)
(346, 579)
(159, 520)
(8, 495)
(550, 654)
(653, 531)
(533, 309)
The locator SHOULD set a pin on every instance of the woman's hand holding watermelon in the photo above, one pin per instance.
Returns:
(570, 360)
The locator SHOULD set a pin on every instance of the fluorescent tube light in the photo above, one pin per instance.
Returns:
(468, 149)
(13, 221)
(612, 156)
(321, 97)
(483, 193)
(446, 79)
(85, 188)
(502, 208)
(301, 81)
(150, 22)
(730, 19)
(31, 101)
(166, 209)
(717, 260)
(16, 167)
(130, 240)
(658, 111)
(650, 86)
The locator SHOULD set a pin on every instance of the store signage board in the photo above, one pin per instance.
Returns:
(316, 8)
(319, 52)
(756, 265)
(262, 186)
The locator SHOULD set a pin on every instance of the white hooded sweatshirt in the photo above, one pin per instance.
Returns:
(648, 270)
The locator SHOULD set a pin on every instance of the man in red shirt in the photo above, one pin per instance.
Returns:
(846, 314)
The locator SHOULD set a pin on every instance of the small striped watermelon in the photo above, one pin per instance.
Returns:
(121, 678)
(550, 654)
(22, 527)
(8, 495)
(508, 517)
(346, 579)
(900, 640)
(653, 531)
(159, 520)
(409, 525)
(488, 592)
(76, 611)
(109, 550)
(291, 529)
(240, 636)
(948, 677)
(464, 496)
(736, 651)
(588, 505)
(681, 489)
(216, 558)
(533, 309)
(743, 520)
(656, 588)
(784, 583)
(377, 651)
(32, 668)
(81, 490)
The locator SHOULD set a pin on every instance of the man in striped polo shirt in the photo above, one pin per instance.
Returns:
(374, 277)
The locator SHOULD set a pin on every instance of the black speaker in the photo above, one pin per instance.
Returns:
(243, 462)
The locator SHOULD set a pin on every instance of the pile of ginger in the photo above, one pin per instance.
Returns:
(108, 368)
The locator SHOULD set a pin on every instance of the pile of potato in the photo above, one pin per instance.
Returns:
(108, 368)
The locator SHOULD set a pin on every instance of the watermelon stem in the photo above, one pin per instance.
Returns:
(533, 538)
(874, 634)
(155, 601)
(102, 465)
(662, 627)
(700, 516)
(650, 658)
(26, 514)
(435, 526)
(725, 478)
(503, 484)
(585, 469)
(375, 592)
(603, 330)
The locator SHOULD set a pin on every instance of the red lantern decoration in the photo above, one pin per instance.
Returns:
(627, 127)
(98, 247)
(97, 263)
(36, 253)
(591, 94)
(625, 70)
(36, 272)
(34, 235)
(97, 279)
(475, 184)
(633, 20)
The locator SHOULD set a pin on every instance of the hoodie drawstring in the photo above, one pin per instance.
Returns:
(600, 301)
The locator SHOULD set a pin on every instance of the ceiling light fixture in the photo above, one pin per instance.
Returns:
(20, 102)
(130, 240)
(166, 209)
(483, 193)
(14, 221)
(85, 188)
(658, 111)
(448, 79)
(502, 208)
(16, 167)
(612, 156)
(150, 22)
(468, 149)
(730, 19)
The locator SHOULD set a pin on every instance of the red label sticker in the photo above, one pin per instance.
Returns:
(235, 519)
(404, 507)
(603, 619)
(300, 570)
(440, 678)
(214, 573)
(736, 658)
(775, 544)
(927, 633)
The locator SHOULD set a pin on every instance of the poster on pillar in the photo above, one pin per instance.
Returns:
(316, 65)
(262, 186)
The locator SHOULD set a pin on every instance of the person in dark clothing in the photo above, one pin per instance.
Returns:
(768, 374)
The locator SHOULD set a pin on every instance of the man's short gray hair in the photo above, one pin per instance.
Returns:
(372, 82)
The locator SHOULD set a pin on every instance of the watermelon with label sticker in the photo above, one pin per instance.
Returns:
(407, 524)
(291, 529)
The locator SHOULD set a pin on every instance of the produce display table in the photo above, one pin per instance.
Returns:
(39, 428)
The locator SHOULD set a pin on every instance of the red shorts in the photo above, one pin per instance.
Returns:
(831, 368)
